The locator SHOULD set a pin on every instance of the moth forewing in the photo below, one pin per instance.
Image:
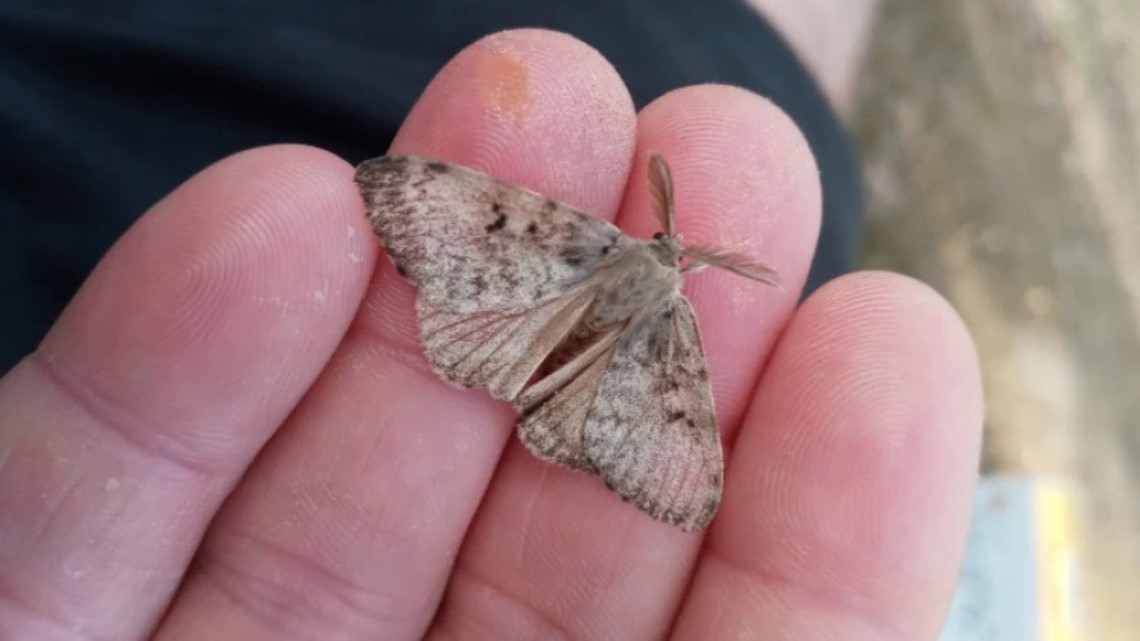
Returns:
(582, 328)
(472, 243)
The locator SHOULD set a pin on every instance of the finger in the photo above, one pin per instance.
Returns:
(552, 551)
(848, 494)
(184, 350)
(745, 180)
(349, 522)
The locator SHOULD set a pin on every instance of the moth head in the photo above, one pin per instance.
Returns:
(667, 248)
(667, 243)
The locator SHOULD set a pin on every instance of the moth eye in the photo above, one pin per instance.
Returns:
(659, 235)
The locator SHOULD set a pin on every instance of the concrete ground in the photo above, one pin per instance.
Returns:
(1001, 140)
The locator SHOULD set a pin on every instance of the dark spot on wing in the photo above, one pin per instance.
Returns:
(676, 416)
(573, 261)
(532, 229)
(497, 208)
(401, 271)
(436, 167)
(550, 205)
(690, 423)
(499, 223)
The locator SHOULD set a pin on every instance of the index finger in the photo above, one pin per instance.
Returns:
(348, 524)
(182, 353)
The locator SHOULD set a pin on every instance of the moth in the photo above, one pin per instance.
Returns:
(582, 328)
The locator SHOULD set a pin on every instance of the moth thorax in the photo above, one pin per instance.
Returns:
(639, 282)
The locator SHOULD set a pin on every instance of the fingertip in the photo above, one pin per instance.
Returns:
(533, 107)
(228, 295)
(744, 174)
(852, 478)
(875, 389)
(276, 173)
(891, 313)
(288, 198)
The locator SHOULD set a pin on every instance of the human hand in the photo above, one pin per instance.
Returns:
(232, 433)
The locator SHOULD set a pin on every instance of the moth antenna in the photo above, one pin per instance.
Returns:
(661, 192)
(736, 263)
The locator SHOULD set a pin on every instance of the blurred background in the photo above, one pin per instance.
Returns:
(1001, 150)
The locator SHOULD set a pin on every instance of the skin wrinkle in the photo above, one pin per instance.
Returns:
(527, 528)
(273, 598)
(115, 421)
(549, 625)
(803, 593)
(380, 350)
(13, 596)
(77, 491)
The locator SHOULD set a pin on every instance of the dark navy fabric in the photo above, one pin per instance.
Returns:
(107, 106)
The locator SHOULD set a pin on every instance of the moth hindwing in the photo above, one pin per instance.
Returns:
(582, 328)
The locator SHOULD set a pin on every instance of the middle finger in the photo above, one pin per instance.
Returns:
(552, 551)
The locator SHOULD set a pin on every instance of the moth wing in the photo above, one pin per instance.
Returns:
(497, 349)
(470, 242)
(554, 410)
(651, 433)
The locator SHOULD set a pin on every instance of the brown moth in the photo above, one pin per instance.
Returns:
(581, 327)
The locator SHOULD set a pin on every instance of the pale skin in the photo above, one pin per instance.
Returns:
(232, 431)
